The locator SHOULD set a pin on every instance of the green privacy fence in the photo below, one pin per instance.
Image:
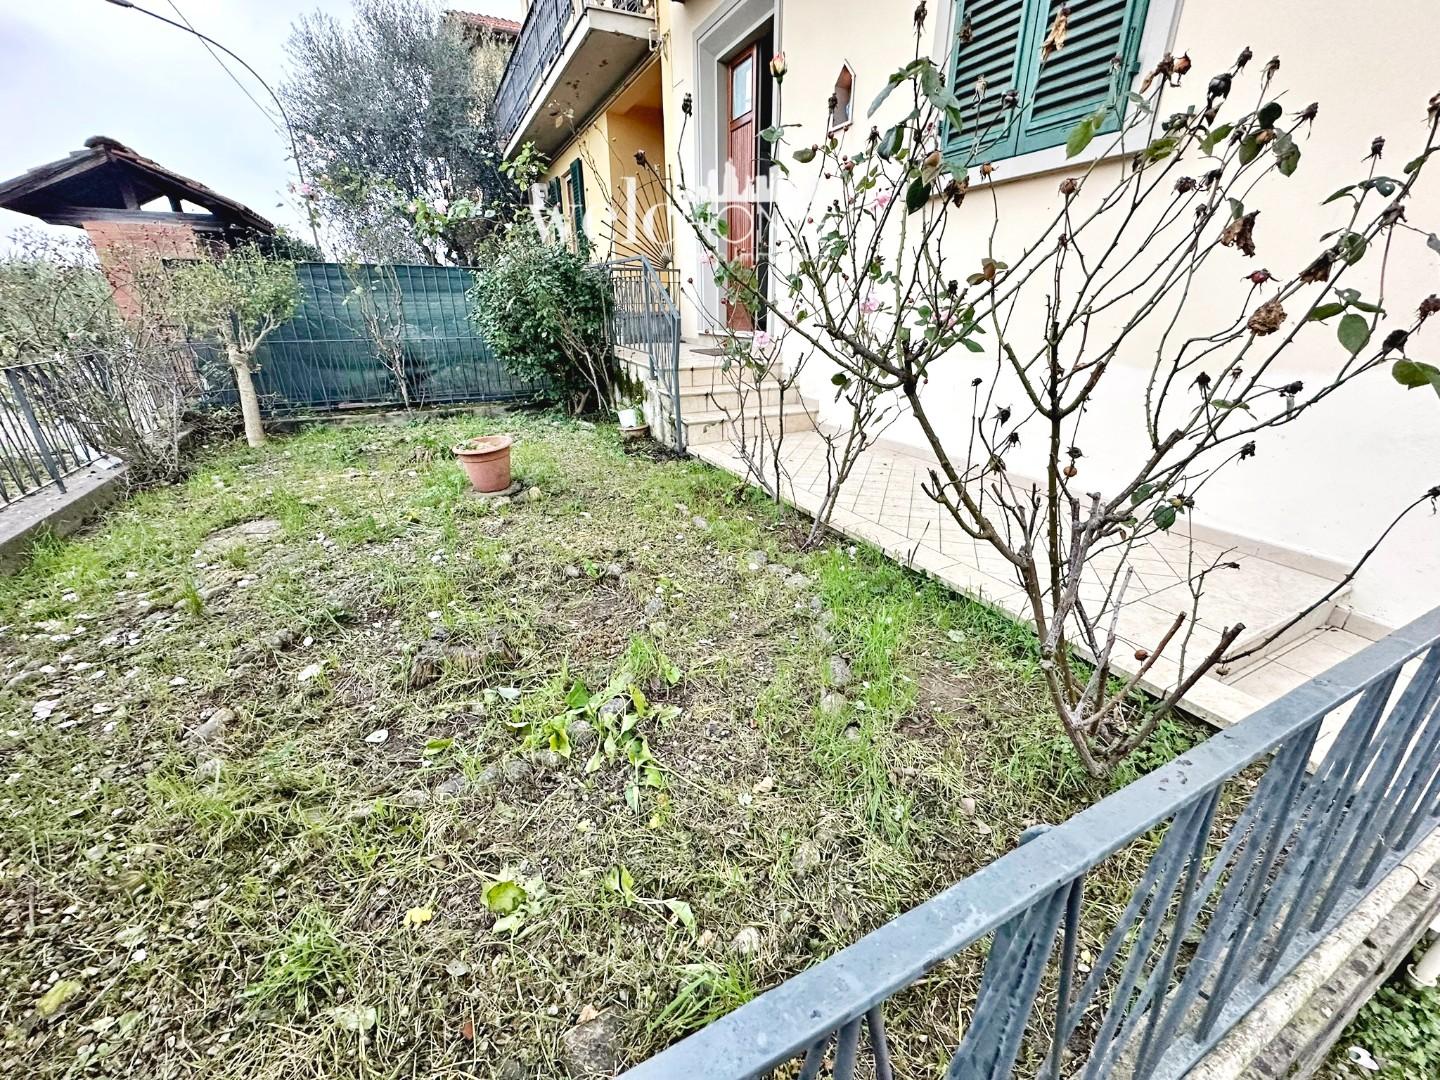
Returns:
(367, 336)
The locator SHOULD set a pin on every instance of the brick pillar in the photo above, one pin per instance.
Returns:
(120, 243)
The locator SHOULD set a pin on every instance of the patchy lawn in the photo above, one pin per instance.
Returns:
(306, 773)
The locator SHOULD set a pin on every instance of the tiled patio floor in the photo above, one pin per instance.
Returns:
(883, 504)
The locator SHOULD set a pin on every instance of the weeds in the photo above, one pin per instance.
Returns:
(386, 839)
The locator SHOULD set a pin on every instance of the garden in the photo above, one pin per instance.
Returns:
(320, 761)
(320, 764)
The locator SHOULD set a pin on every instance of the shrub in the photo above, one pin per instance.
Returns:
(543, 309)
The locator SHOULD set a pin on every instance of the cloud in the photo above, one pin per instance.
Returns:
(70, 69)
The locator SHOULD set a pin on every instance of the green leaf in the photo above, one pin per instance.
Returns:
(916, 195)
(437, 746)
(1237, 209)
(578, 697)
(1215, 137)
(632, 797)
(1414, 373)
(1414, 163)
(1141, 493)
(1353, 333)
(1159, 149)
(50, 1003)
(681, 910)
(840, 379)
(891, 142)
(503, 897)
(1321, 312)
(1249, 149)
(1080, 136)
(805, 155)
(1352, 247)
(1269, 114)
(1351, 298)
(1340, 194)
(1287, 155)
(896, 78)
(1164, 516)
(560, 741)
(618, 880)
(773, 134)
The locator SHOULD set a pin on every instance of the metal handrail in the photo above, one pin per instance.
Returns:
(643, 315)
(1306, 847)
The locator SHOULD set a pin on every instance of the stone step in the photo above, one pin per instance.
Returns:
(696, 369)
(716, 426)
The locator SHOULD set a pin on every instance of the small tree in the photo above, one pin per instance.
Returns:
(118, 380)
(396, 119)
(865, 278)
(239, 299)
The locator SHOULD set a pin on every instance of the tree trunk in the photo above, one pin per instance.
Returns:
(249, 401)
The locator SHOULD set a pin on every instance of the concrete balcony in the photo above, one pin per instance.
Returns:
(570, 56)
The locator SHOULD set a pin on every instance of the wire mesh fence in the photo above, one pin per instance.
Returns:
(375, 335)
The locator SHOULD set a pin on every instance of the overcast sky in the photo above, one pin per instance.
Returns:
(70, 69)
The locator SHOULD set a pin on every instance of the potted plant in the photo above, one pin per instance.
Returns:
(486, 459)
(632, 422)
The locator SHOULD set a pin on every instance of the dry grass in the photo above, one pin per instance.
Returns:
(256, 907)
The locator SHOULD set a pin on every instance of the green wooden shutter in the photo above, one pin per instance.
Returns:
(1005, 50)
(552, 193)
(994, 52)
(1084, 75)
(577, 197)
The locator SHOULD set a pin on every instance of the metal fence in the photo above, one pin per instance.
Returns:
(367, 336)
(39, 444)
(643, 316)
(1257, 857)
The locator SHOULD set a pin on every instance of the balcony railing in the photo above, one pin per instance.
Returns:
(542, 37)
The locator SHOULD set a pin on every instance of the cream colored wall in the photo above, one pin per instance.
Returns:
(606, 148)
(639, 128)
(1324, 485)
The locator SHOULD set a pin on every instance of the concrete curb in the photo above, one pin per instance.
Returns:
(59, 512)
(1263, 1025)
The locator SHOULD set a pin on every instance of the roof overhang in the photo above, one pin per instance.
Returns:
(604, 46)
(108, 178)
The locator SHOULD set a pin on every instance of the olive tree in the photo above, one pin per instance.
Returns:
(239, 299)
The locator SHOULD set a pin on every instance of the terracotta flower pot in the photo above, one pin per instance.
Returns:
(487, 462)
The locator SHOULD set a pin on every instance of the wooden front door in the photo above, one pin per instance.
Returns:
(740, 154)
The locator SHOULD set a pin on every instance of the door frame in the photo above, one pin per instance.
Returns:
(735, 26)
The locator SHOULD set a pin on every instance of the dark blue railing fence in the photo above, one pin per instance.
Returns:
(1257, 844)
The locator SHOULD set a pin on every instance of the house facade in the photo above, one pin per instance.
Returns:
(687, 83)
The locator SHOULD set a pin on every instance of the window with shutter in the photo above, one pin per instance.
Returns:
(577, 196)
(997, 49)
